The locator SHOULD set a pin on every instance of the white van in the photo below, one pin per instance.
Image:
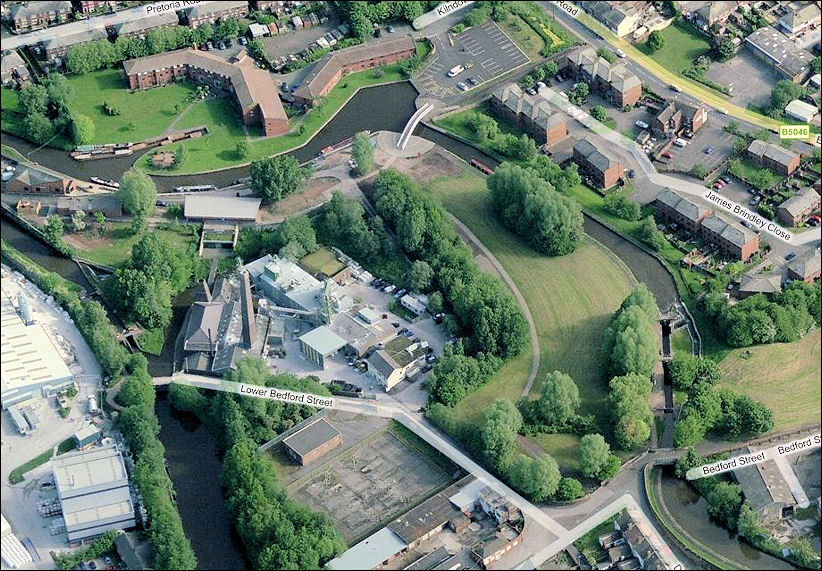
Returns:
(642, 124)
(455, 71)
(680, 142)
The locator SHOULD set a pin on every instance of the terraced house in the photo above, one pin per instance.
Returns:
(331, 67)
(614, 81)
(211, 12)
(680, 211)
(602, 168)
(733, 240)
(534, 115)
(774, 157)
(253, 88)
(27, 16)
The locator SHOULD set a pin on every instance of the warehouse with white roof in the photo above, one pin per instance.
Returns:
(30, 364)
(94, 492)
(199, 207)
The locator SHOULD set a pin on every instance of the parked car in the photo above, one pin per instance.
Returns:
(229, 43)
(398, 294)
(674, 88)
(431, 359)
(631, 173)
(531, 91)
(390, 29)
(789, 256)
(642, 124)
(620, 53)
(813, 223)
(717, 186)
(726, 179)
(242, 41)
(389, 288)
(473, 80)
(463, 86)
(816, 217)
(667, 155)
(209, 46)
(426, 368)
(708, 150)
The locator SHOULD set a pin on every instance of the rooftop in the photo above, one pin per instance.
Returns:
(760, 284)
(806, 265)
(780, 49)
(763, 484)
(221, 207)
(146, 23)
(27, 9)
(596, 158)
(323, 340)
(83, 473)
(732, 232)
(429, 515)
(690, 210)
(370, 552)
(207, 8)
(800, 202)
(311, 437)
(79, 37)
(33, 177)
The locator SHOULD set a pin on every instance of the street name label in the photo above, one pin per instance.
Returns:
(567, 7)
(794, 132)
(738, 210)
(440, 11)
(752, 458)
(173, 6)
(283, 395)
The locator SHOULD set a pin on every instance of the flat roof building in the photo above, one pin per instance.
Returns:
(286, 283)
(313, 441)
(361, 334)
(425, 521)
(94, 492)
(320, 344)
(199, 207)
(781, 53)
(30, 364)
(14, 554)
(801, 111)
(373, 551)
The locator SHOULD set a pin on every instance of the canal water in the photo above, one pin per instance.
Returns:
(690, 510)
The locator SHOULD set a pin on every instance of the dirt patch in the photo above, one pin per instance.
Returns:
(433, 164)
(86, 241)
(317, 191)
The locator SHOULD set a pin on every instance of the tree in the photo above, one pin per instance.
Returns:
(277, 177)
(630, 409)
(699, 170)
(689, 431)
(724, 501)
(537, 478)
(784, 92)
(569, 489)
(39, 128)
(363, 153)
(593, 454)
(435, 302)
(725, 49)
(558, 400)
(748, 523)
(621, 207)
(82, 129)
(655, 41)
(650, 234)
(53, 230)
(241, 150)
(99, 218)
(551, 68)
(34, 99)
(499, 433)
(226, 28)
(420, 275)
(580, 92)
(598, 113)
(298, 229)
(137, 192)
(78, 221)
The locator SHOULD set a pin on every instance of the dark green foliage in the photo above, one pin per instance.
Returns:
(569, 489)
(137, 192)
(558, 402)
(420, 275)
(724, 500)
(98, 546)
(650, 235)
(528, 205)
(277, 177)
(594, 454)
(630, 341)
(687, 369)
(363, 153)
(783, 93)
(621, 207)
(537, 478)
(655, 41)
(607, 55)
(598, 112)
(630, 409)
(499, 433)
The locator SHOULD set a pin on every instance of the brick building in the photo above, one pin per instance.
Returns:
(677, 115)
(603, 168)
(533, 114)
(676, 209)
(60, 44)
(613, 81)
(733, 240)
(313, 441)
(805, 267)
(27, 16)
(798, 207)
(13, 69)
(140, 27)
(253, 88)
(331, 67)
(774, 157)
(28, 180)
(211, 12)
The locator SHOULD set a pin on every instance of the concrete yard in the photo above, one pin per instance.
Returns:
(369, 483)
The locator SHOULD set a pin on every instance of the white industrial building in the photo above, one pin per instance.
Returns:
(800, 110)
(94, 492)
(14, 553)
(30, 364)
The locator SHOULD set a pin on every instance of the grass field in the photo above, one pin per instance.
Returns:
(564, 449)
(784, 376)
(152, 341)
(681, 47)
(322, 260)
(523, 35)
(144, 114)
(571, 298)
(681, 342)
(115, 247)
(17, 474)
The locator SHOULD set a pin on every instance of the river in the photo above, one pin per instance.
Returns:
(191, 452)
(690, 510)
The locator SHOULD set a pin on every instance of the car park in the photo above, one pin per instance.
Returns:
(455, 71)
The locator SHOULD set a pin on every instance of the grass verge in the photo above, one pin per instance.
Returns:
(16, 475)
(114, 248)
(681, 47)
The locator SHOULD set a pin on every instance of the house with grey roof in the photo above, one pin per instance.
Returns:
(798, 207)
(614, 81)
(796, 22)
(29, 180)
(733, 240)
(27, 16)
(752, 284)
(766, 490)
(60, 44)
(13, 69)
(140, 27)
(677, 209)
(678, 115)
(805, 267)
(774, 157)
(601, 167)
(312, 441)
(211, 12)
(533, 114)
(711, 13)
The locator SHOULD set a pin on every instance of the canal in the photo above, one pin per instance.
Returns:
(690, 510)
(191, 453)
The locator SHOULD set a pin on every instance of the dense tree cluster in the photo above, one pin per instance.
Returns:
(362, 16)
(143, 287)
(274, 178)
(724, 412)
(490, 318)
(527, 204)
(621, 207)
(486, 131)
(596, 459)
(759, 319)
(137, 192)
(555, 410)
(630, 342)
(293, 238)
(46, 108)
(649, 233)
(630, 409)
